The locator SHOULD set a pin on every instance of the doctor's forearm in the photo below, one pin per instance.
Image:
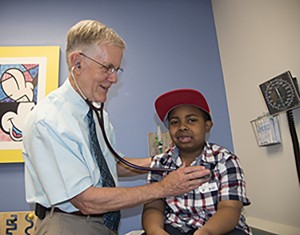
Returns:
(101, 200)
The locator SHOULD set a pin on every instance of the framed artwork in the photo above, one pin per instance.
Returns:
(27, 74)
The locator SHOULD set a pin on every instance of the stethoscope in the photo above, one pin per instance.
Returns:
(100, 119)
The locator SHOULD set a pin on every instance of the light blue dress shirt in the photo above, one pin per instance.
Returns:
(56, 150)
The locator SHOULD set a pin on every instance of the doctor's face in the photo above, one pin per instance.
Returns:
(99, 68)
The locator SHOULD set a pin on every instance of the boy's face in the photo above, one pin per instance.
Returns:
(188, 128)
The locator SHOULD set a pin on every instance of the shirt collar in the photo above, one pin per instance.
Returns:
(203, 158)
(79, 106)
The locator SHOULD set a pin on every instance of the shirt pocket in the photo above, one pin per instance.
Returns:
(209, 196)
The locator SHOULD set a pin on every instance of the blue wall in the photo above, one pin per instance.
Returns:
(170, 44)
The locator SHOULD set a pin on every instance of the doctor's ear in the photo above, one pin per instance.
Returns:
(75, 59)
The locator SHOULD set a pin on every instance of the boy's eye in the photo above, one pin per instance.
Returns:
(173, 122)
(191, 120)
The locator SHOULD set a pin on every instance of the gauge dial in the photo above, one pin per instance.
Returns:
(280, 93)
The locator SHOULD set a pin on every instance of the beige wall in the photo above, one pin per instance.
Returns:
(258, 40)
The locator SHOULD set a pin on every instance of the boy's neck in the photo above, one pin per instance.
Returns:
(188, 158)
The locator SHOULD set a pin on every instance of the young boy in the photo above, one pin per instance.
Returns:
(213, 208)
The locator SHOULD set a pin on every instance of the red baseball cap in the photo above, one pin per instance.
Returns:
(169, 100)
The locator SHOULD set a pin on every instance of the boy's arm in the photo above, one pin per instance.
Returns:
(224, 220)
(153, 218)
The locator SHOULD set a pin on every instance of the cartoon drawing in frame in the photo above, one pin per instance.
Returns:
(21, 85)
(27, 74)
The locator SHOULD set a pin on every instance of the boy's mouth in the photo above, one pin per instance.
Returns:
(184, 139)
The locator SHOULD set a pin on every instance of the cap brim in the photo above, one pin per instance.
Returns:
(168, 101)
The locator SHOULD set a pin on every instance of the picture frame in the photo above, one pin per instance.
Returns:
(27, 74)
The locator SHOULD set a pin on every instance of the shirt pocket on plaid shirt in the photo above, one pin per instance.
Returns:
(208, 197)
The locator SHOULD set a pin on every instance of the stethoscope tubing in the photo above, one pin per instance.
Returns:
(101, 123)
(99, 111)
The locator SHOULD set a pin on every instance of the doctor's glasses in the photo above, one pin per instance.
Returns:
(109, 69)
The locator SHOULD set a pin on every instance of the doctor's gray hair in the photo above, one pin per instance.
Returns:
(90, 32)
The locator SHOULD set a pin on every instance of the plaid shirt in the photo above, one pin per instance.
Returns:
(194, 209)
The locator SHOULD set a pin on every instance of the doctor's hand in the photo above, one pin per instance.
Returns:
(184, 180)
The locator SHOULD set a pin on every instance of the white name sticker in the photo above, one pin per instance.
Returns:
(208, 187)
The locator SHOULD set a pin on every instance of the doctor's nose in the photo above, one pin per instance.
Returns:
(113, 77)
